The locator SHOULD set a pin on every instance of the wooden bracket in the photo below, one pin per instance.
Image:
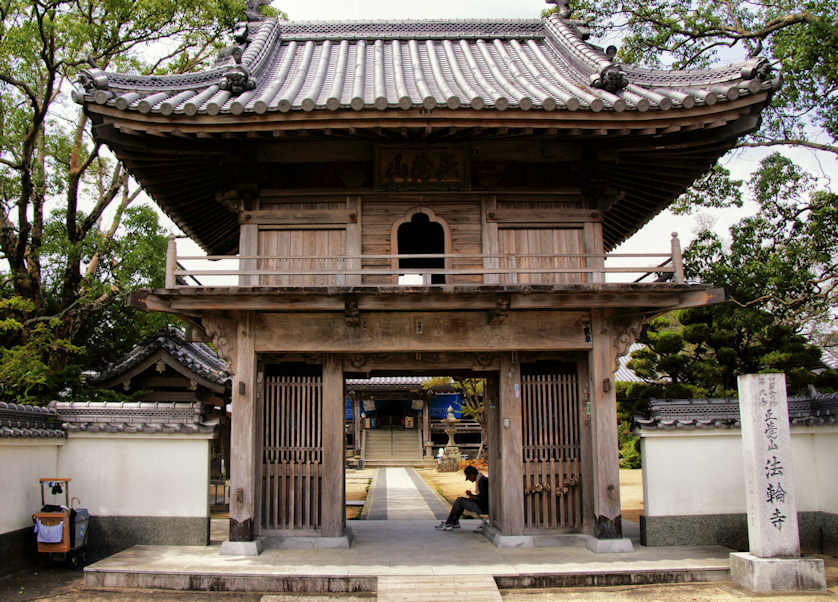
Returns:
(498, 315)
(351, 312)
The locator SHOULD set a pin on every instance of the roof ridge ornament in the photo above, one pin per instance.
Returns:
(756, 68)
(237, 80)
(562, 8)
(252, 12)
(93, 79)
(564, 12)
(611, 78)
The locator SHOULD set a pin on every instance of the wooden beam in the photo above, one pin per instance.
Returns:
(544, 215)
(298, 216)
(194, 301)
(440, 363)
(419, 331)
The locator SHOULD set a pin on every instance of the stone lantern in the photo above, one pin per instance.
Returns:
(450, 460)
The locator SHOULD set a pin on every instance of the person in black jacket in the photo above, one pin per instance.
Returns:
(473, 502)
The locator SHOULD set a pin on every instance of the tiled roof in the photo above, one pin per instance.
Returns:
(491, 65)
(133, 417)
(813, 410)
(29, 422)
(830, 357)
(624, 373)
(196, 357)
(394, 383)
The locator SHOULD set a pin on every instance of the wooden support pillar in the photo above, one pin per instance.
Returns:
(606, 468)
(426, 428)
(509, 438)
(356, 425)
(492, 395)
(333, 517)
(243, 435)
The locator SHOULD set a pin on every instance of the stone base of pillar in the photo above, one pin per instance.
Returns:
(559, 540)
(241, 548)
(304, 542)
(777, 574)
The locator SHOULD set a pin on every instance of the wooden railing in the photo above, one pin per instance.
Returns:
(375, 270)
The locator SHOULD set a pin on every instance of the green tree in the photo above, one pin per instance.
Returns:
(800, 36)
(48, 160)
(134, 257)
(780, 270)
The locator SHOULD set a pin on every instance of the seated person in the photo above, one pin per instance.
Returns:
(473, 502)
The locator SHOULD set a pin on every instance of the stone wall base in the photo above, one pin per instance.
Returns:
(818, 531)
(17, 551)
(112, 534)
(108, 535)
(777, 574)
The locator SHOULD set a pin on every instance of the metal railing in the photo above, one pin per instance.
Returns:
(377, 270)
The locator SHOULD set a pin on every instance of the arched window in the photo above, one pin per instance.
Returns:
(422, 236)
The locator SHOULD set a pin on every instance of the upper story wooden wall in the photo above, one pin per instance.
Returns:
(486, 206)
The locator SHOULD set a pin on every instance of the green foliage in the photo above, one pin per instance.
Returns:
(30, 346)
(25, 376)
(629, 446)
(780, 271)
(66, 268)
(800, 36)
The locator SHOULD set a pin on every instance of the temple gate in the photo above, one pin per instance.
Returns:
(422, 198)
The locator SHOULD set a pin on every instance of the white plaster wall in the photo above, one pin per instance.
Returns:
(826, 457)
(701, 472)
(22, 463)
(138, 475)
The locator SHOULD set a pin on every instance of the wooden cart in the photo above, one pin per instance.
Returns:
(74, 553)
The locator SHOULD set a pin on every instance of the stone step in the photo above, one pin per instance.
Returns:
(394, 462)
(399, 588)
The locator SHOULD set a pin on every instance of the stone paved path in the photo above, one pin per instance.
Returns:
(401, 494)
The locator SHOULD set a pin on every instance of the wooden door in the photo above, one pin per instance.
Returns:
(292, 454)
(552, 452)
(304, 254)
(542, 248)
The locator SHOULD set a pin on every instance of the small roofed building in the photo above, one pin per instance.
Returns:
(422, 197)
(167, 368)
(411, 412)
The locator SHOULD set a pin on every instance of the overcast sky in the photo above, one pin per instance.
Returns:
(330, 10)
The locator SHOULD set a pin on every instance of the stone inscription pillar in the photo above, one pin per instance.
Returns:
(769, 480)
(774, 562)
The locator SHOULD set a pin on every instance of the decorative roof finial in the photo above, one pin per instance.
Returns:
(562, 7)
(251, 9)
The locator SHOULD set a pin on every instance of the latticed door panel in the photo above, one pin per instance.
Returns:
(552, 452)
(292, 453)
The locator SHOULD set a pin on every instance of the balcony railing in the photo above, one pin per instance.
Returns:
(459, 269)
